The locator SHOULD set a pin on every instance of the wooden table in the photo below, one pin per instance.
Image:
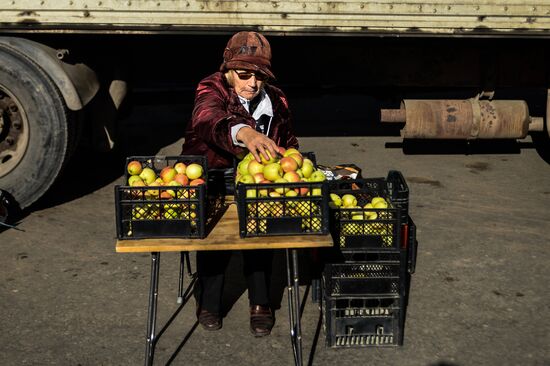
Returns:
(224, 236)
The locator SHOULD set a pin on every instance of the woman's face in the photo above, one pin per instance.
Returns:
(247, 84)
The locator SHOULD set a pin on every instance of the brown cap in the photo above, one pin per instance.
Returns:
(248, 51)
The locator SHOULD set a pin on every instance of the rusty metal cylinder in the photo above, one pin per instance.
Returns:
(466, 119)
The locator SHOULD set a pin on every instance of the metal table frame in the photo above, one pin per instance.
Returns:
(293, 292)
(219, 239)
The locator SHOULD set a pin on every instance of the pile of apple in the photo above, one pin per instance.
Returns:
(179, 175)
(290, 167)
(349, 202)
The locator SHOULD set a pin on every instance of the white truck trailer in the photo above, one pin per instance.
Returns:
(479, 69)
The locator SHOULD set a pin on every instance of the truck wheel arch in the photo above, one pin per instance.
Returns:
(77, 83)
(37, 130)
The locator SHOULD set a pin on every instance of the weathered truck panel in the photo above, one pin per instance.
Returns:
(414, 17)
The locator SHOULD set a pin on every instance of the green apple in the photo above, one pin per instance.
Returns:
(273, 171)
(348, 201)
(242, 167)
(317, 176)
(380, 204)
(173, 183)
(291, 151)
(336, 199)
(194, 171)
(148, 175)
(247, 179)
(291, 193)
(371, 215)
(281, 190)
(140, 212)
(377, 199)
(134, 179)
(307, 169)
(267, 161)
(316, 192)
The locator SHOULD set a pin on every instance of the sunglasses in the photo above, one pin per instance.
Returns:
(245, 75)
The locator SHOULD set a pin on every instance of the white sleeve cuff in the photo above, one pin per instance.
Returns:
(234, 130)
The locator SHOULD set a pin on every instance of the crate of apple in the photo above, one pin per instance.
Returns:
(364, 214)
(284, 195)
(163, 197)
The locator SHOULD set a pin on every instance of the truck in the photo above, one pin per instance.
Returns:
(438, 69)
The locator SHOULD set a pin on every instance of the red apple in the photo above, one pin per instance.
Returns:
(168, 174)
(258, 177)
(255, 167)
(196, 182)
(288, 164)
(282, 150)
(182, 179)
(180, 168)
(292, 176)
(134, 167)
(165, 195)
(303, 191)
(298, 158)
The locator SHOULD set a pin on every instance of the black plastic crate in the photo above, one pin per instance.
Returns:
(412, 245)
(363, 322)
(262, 215)
(370, 228)
(162, 211)
(364, 278)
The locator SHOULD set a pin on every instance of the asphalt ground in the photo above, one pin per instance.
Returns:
(479, 295)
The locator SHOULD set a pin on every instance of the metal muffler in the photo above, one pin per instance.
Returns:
(463, 119)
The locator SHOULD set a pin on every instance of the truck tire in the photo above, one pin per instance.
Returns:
(35, 130)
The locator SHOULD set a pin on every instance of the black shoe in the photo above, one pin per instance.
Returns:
(208, 320)
(261, 320)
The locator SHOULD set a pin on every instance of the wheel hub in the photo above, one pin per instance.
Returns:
(14, 132)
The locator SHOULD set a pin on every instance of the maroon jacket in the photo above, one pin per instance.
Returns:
(217, 109)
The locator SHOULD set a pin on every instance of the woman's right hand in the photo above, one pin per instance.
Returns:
(258, 143)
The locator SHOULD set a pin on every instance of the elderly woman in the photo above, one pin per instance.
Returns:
(236, 111)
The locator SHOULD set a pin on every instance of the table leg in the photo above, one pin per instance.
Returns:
(180, 279)
(152, 314)
(293, 287)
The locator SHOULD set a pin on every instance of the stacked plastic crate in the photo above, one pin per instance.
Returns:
(366, 276)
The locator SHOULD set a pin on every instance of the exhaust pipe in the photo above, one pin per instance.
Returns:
(463, 119)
